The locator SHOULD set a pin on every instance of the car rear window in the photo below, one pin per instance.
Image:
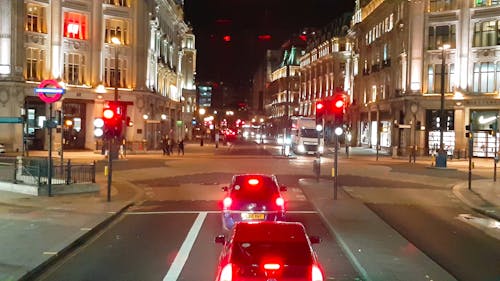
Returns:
(286, 253)
(265, 189)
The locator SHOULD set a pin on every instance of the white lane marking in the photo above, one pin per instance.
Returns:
(206, 212)
(181, 257)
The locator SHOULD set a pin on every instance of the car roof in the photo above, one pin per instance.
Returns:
(269, 231)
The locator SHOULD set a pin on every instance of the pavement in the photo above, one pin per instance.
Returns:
(36, 231)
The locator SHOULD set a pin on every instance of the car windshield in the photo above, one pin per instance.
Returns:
(287, 253)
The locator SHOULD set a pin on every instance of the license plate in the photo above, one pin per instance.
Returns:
(252, 216)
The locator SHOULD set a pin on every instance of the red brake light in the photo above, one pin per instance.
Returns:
(253, 181)
(280, 202)
(339, 104)
(272, 266)
(226, 273)
(316, 273)
(227, 202)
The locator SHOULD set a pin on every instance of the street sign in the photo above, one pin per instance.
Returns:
(49, 91)
(10, 120)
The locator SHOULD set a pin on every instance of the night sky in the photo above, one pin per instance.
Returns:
(234, 62)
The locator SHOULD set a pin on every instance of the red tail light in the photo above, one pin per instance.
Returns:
(316, 273)
(280, 202)
(272, 266)
(226, 273)
(253, 181)
(227, 202)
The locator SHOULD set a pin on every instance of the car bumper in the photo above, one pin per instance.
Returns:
(230, 218)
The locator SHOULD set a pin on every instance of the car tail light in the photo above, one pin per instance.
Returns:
(226, 273)
(227, 202)
(316, 273)
(272, 266)
(280, 202)
(253, 181)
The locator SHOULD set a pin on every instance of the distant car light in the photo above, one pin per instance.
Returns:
(321, 149)
(301, 148)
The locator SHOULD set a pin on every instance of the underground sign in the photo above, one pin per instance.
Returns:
(49, 91)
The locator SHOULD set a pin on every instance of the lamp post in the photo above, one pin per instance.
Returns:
(441, 161)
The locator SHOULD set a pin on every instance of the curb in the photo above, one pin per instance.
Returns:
(456, 191)
(35, 272)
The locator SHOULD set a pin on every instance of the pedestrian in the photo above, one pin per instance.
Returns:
(180, 147)
(170, 146)
(122, 151)
(165, 145)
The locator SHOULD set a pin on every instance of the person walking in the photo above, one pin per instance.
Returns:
(180, 147)
(164, 144)
(170, 146)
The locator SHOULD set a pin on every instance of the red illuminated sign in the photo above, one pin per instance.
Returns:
(49, 91)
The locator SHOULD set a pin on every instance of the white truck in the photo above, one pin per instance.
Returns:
(305, 137)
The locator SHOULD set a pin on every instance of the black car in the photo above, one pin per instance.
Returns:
(252, 197)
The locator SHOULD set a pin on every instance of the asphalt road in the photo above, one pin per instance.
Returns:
(142, 243)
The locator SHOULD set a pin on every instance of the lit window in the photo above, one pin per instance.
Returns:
(118, 29)
(75, 26)
(35, 18)
(74, 69)
(34, 64)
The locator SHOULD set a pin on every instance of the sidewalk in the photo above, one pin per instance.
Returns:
(35, 231)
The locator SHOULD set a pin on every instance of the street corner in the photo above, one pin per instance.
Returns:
(313, 182)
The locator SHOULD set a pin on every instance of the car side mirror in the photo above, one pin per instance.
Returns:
(225, 188)
(283, 188)
(220, 239)
(314, 239)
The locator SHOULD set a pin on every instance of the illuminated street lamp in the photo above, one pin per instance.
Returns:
(442, 117)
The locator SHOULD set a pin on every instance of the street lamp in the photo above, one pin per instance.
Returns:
(441, 161)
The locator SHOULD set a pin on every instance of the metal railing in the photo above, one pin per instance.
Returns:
(34, 171)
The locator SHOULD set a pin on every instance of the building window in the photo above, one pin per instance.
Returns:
(486, 33)
(75, 26)
(484, 3)
(434, 78)
(440, 35)
(34, 64)
(442, 5)
(115, 77)
(74, 69)
(35, 18)
(484, 77)
(116, 28)
(121, 3)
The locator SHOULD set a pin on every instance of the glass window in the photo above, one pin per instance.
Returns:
(74, 69)
(486, 34)
(484, 77)
(35, 18)
(443, 34)
(430, 78)
(75, 26)
(121, 3)
(116, 28)
(34, 64)
(115, 77)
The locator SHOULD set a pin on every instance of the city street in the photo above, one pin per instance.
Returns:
(168, 234)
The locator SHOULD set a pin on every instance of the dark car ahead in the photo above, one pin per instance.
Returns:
(277, 251)
(252, 197)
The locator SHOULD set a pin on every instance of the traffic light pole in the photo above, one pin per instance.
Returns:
(110, 168)
(335, 165)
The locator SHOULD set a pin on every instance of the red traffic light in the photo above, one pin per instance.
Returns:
(108, 113)
(339, 103)
(319, 106)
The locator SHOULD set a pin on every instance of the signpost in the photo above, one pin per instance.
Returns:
(50, 91)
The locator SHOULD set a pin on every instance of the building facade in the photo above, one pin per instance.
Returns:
(412, 53)
(137, 52)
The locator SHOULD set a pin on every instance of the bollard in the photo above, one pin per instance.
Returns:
(105, 170)
(433, 160)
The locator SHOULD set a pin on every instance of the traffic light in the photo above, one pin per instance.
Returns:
(113, 120)
(320, 111)
(468, 133)
(338, 110)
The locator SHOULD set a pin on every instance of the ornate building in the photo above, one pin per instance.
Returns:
(140, 49)
(405, 50)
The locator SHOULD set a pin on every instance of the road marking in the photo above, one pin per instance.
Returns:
(181, 257)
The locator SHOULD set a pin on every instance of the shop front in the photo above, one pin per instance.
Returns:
(484, 124)
(433, 123)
